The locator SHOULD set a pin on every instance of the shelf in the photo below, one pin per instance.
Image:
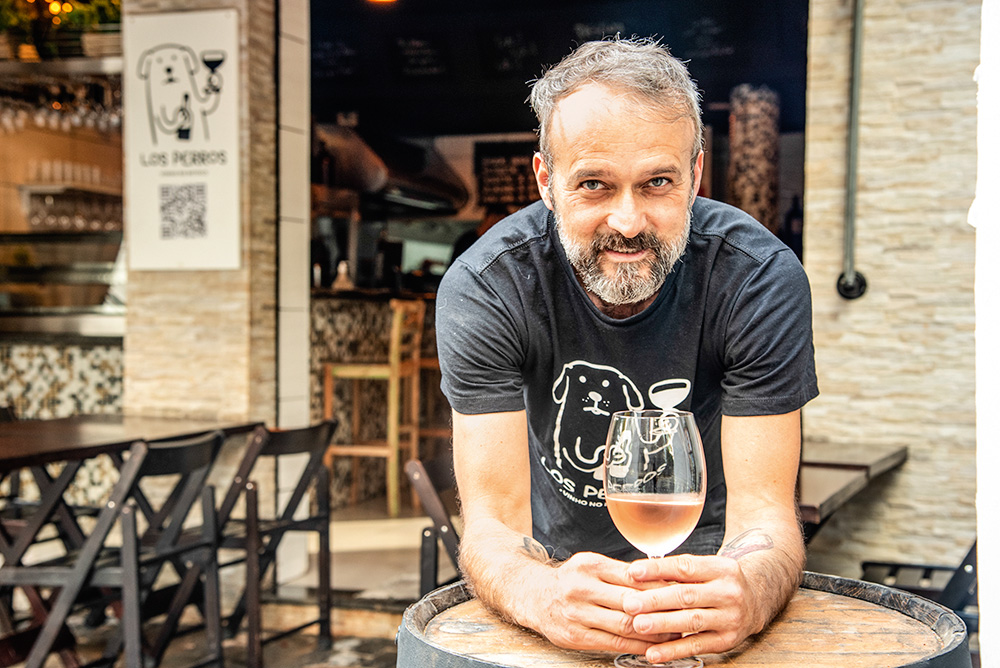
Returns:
(95, 323)
(68, 66)
(101, 237)
(61, 188)
(81, 273)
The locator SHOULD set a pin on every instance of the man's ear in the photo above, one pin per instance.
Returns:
(699, 167)
(542, 177)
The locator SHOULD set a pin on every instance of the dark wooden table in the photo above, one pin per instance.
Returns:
(32, 444)
(35, 442)
(831, 474)
(874, 460)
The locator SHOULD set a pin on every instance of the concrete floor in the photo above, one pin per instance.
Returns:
(379, 557)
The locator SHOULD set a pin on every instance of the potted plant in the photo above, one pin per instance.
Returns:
(16, 26)
(102, 27)
(56, 28)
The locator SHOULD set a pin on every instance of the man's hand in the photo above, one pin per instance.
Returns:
(706, 605)
(581, 607)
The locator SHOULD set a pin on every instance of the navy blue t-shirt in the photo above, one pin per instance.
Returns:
(730, 332)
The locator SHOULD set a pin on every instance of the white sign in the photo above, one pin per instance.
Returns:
(181, 91)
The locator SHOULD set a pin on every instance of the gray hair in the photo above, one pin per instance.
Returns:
(642, 67)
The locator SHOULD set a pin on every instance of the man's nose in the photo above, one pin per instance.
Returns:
(626, 216)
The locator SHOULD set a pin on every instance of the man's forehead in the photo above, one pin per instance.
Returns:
(602, 119)
(594, 99)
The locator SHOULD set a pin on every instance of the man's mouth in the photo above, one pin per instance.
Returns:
(626, 256)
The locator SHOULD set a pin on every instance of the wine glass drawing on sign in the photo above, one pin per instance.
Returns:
(213, 60)
(654, 487)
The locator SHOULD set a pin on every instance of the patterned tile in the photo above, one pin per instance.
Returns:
(42, 381)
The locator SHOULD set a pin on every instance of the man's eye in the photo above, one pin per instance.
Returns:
(659, 182)
(591, 184)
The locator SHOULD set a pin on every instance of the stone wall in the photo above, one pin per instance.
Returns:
(897, 365)
(202, 343)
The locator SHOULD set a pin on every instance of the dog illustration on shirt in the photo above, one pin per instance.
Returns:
(587, 395)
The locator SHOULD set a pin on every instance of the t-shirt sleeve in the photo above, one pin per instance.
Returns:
(480, 346)
(769, 362)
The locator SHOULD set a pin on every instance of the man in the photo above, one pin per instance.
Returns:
(623, 290)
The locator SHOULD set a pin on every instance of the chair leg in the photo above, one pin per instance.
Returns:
(255, 657)
(392, 456)
(428, 561)
(327, 392)
(131, 606)
(415, 432)
(325, 640)
(355, 437)
(213, 594)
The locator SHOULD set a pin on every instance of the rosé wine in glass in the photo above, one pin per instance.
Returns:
(655, 523)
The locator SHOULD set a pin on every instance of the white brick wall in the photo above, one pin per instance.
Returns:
(897, 365)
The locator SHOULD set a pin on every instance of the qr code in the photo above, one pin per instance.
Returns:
(182, 211)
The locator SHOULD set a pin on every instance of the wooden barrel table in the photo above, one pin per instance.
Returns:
(831, 621)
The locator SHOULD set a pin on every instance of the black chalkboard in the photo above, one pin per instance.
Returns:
(510, 53)
(504, 174)
(334, 59)
(420, 57)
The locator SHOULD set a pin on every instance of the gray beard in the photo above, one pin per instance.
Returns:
(627, 285)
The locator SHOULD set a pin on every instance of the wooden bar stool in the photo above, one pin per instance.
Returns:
(402, 372)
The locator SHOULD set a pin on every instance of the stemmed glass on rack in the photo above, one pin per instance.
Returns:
(654, 487)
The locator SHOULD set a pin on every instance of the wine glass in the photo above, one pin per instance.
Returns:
(654, 487)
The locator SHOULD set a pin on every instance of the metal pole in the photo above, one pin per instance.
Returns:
(851, 283)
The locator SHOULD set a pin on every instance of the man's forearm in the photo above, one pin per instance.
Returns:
(771, 560)
(503, 567)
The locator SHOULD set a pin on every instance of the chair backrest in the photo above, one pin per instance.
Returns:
(434, 481)
(191, 459)
(407, 330)
(962, 588)
(312, 440)
(14, 487)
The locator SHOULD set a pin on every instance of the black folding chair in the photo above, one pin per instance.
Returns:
(10, 499)
(129, 576)
(258, 538)
(434, 482)
(952, 587)
(14, 483)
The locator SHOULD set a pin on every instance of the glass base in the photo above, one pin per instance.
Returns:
(639, 661)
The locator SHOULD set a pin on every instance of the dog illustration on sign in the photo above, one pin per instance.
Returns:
(175, 100)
